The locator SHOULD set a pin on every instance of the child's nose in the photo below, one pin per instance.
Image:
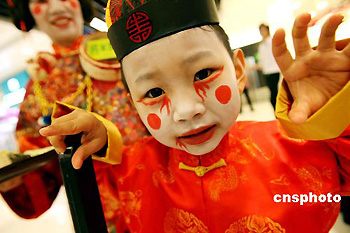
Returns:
(187, 107)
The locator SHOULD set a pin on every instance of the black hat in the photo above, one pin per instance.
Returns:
(23, 19)
(135, 23)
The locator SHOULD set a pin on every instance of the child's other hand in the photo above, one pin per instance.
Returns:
(93, 139)
(314, 76)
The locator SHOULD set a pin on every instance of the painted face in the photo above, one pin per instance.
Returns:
(61, 20)
(185, 90)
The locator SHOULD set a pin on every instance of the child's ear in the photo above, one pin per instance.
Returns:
(239, 63)
(130, 99)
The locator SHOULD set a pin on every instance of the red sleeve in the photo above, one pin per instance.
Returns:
(40, 187)
(106, 178)
(37, 193)
(341, 147)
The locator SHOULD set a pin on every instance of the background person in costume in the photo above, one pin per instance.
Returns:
(60, 76)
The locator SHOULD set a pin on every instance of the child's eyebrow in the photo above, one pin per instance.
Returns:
(196, 56)
(145, 77)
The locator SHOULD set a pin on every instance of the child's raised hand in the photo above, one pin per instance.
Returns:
(93, 139)
(314, 76)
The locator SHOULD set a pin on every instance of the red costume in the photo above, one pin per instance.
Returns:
(157, 196)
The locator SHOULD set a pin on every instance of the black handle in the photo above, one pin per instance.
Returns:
(82, 191)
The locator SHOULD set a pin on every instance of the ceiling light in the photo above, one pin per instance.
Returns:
(321, 5)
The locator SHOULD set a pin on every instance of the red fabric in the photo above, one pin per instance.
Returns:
(37, 193)
(156, 196)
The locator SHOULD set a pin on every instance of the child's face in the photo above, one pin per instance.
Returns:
(184, 88)
(61, 20)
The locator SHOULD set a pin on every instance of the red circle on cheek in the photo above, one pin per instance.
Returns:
(36, 10)
(74, 4)
(223, 94)
(154, 121)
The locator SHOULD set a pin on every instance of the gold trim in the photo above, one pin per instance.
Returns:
(45, 105)
(103, 70)
(328, 122)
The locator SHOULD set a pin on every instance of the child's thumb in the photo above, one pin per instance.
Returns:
(299, 112)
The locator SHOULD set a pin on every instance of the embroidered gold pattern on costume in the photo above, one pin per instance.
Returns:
(254, 223)
(237, 154)
(110, 201)
(244, 178)
(311, 178)
(245, 150)
(225, 180)
(131, 203)
(164, 175)
(180, 221)
(283, 180)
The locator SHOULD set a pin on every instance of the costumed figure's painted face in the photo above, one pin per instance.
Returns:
(184, 88)
(61, 20)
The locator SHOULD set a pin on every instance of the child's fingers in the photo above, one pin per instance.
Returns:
(280, 51)
(327, 38)
(299, 112)
(69, 116)
(58, 143)
(84, 151)
(299, 33)
(64, 128)
(346, 50)
(77, 161)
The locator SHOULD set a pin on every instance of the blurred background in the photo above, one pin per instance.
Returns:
(240, 19)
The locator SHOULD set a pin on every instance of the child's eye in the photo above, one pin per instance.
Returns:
(154, 93)
(203, 74)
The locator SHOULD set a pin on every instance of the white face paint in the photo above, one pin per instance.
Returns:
(61, 20)
(185, 90)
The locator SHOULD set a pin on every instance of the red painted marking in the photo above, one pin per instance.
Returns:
(132, 6)
(37, 9)
(116, 6)
(180, 144)
(164, 100)
(74, 4)
(154, 121)
(10, 3)
(200, 86)
(23, 25)
(223, 94)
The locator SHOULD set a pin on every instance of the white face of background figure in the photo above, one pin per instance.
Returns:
(61, 20)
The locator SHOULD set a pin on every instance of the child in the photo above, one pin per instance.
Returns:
(202, 171)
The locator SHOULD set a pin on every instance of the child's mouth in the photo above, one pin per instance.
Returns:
(198, 136)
